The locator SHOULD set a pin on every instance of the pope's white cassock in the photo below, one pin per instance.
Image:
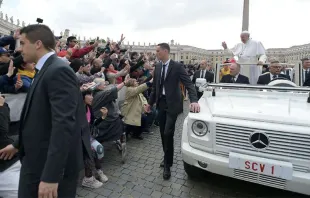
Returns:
(249, 52)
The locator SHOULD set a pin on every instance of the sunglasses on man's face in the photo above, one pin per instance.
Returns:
(74, 41)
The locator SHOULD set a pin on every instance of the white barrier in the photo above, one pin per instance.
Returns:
(16, 103)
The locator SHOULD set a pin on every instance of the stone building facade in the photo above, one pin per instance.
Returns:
(8, 24)
(185, 53)
(190, 54)
(292, 55)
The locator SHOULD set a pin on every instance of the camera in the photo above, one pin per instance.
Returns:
(39, 20)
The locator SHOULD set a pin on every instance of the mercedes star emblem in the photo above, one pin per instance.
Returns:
(259, 140)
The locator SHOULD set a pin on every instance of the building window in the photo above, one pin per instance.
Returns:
(181, 57)
(186, 57)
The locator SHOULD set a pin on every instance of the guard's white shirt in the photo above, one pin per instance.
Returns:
(166, 69)
(42, 61)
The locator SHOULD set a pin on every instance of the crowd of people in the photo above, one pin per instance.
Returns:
(114, 84)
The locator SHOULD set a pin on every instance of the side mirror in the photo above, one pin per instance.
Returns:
(200, 82)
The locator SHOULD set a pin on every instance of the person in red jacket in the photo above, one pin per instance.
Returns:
(77, 52)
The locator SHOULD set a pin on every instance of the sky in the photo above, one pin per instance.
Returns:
(200, 23)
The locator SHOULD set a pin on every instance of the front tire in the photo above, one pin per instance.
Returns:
(190, 170)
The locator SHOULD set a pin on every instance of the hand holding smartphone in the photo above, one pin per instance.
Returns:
(19, 77)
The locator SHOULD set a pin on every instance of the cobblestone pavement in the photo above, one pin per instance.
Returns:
(141, 177)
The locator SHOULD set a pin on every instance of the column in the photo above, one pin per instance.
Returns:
(245, 18)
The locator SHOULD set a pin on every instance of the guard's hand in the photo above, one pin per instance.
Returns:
(194, 107)
(48, 190)
(8, 152)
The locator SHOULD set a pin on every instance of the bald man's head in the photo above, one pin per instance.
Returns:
(234, 69)
(98, 63)
(203, 64)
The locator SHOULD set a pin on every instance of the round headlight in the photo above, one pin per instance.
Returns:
(200, 128)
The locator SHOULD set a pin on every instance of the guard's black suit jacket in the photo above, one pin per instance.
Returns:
(175, 75)
(50, 143)
(265, 78)
(241, 79)
(307, 81)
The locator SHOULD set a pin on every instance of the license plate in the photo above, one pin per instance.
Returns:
(263, 166)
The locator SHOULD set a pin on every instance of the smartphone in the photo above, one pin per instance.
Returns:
(18, 77)
(97, 38)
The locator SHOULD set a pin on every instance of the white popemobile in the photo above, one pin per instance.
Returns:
(259, 134)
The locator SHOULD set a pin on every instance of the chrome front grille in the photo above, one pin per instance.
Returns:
(285, 145)
(260, 179)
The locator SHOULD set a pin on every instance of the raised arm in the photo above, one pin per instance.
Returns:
(133, 91)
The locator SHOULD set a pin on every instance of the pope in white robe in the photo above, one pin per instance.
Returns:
(249, 51)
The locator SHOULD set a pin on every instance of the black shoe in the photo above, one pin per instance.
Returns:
(167, 173)
(162, 164)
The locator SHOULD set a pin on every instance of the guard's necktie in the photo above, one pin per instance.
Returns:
(35, 75)
(162, 79)
(201, 75)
